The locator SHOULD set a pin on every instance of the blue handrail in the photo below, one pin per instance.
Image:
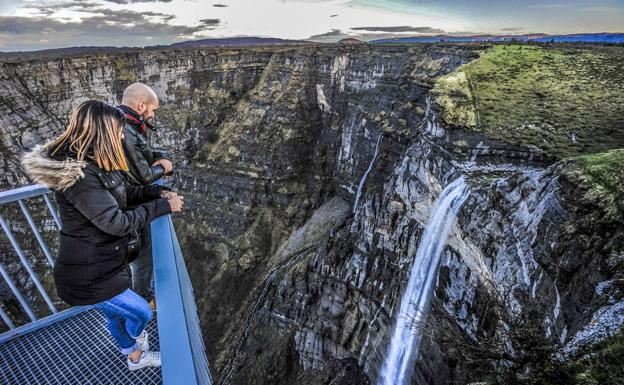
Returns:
(181, 345)
(22, 193)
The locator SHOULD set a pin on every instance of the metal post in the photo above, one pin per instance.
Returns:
(17, 294)
(26, 265)
(31, 222)
(6, 319)
(55, 215)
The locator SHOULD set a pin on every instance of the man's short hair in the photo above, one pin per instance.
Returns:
(136, 93)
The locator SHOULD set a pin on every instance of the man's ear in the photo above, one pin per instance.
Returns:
(141, 107)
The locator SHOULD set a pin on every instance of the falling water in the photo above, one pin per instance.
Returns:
(404, 345)
(370, 167)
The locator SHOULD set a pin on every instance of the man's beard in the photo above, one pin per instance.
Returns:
(149, 123)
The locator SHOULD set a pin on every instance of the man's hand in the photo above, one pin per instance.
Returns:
(176, 203)
(165, 163)
(167, 194)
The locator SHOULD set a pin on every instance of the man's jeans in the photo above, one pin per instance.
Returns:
(127, 314)
(142, 268)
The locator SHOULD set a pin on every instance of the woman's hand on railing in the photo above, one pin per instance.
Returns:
(168, 194)
(176, 202)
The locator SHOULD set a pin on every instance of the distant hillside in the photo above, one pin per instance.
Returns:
(578, 38)
(63, 51)
(238, 41)
(351, 40)
(586, 38)
(227, 42)
(268, 41)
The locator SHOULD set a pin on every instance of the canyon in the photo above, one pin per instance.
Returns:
(310, 174)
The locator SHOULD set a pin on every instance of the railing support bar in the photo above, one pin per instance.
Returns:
(55, 215)
(33, 226)
(6, 319)
(17, 294)
(26, 265)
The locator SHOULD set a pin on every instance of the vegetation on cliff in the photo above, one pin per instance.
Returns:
(603, 177)
(601, 364)
(566, 100)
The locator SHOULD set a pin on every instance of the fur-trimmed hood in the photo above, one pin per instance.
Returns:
(56, 174)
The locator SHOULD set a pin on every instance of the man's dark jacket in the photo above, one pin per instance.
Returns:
(139, 155)
(91, 264)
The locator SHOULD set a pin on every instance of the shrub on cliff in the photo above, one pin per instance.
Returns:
(602, 177)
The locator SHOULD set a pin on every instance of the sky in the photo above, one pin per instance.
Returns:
(42, 24)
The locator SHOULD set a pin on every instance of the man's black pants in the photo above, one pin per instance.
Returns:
(142, 267)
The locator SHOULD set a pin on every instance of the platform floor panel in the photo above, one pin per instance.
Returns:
(75, 350)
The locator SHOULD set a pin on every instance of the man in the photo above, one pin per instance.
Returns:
(145, 166)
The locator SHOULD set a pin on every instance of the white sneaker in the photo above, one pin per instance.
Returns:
(143, 341)
(146, 359)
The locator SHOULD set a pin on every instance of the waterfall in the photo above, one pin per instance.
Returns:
(404, 346)
(370, 167)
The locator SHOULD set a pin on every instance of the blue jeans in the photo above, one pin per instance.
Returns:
(127, 314)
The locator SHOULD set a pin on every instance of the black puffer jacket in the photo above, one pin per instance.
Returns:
(91, 262)
(139, 154)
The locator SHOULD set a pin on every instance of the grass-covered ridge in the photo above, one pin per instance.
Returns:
(603, 176)
(565, 100)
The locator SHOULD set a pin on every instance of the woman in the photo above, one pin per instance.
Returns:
(85, 167)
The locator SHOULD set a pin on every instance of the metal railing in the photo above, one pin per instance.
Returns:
(183, 354)
(181, 344)
(20, 196)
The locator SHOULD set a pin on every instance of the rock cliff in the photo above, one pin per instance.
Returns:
(309, 174)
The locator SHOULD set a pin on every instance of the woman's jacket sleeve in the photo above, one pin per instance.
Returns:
(97, 204)
(140, 194)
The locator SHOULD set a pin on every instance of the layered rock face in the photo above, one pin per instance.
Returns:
(309, 174)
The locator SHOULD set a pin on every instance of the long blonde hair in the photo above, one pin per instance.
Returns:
(94, 131)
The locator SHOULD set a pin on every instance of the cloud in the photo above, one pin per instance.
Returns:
(106, 28)
(83, 4)
(210, 23)
(397, 29)
(50, 8)
(137, 1)
(332, 35)
(336, 35)
(124, 16)
(220, 5)
(333, 15)
(512, 29)
(98, 26)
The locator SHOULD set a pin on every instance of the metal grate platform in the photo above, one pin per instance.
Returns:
(75, 350)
